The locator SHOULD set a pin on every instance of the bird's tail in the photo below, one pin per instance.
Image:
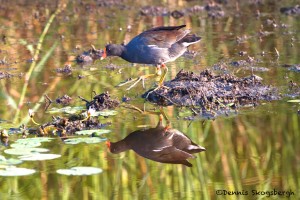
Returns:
(189, 39)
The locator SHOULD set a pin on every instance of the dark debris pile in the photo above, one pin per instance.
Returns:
(64, 100)
(65, 126)
(67, 69)
(89, 56)
(5, 75)
(293, 10)
(207, 91)
(101, 102)
(213, 10)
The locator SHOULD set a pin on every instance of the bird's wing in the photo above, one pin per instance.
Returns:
(172, 153)
(163, 37)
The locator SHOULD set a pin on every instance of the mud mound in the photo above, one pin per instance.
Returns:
(207, 91)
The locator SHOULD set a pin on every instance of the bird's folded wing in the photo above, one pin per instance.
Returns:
(163, 37)
(172, 153)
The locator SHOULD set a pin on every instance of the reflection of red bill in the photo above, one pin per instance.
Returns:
(108, 143)
(104, 54)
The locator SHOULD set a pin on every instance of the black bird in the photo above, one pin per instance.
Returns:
(155, 46)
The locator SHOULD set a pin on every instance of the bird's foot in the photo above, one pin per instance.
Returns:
(136, 81)
(158, 87)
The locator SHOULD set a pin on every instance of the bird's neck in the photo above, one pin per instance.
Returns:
(121, 50)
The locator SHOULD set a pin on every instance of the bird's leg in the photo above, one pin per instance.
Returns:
(141, 78)
(163, 115)
(163, 75)
(161, 80)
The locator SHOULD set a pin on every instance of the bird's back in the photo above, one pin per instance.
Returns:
(158, 45)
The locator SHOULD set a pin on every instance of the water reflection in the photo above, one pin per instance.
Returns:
(161, 143)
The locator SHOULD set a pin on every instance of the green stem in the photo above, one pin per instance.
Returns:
(33, 64)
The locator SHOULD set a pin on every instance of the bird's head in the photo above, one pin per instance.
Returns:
(116, 147)
(112, 50)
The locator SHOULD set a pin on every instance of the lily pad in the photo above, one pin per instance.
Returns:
(67, 110)
(25, 144)
(30, 142)
(79, 171)
(15, 171)
(88, 140)
(10, 161)
(294, 101)
(39, 156)
(90, 132)
(25, 151)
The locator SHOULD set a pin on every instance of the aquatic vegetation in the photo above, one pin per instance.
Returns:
(95, 132)
(87, 140)
(79, 171)
(16, 171)
(25, 151)
(249, 147)
(9, 161)
(39, 156)
(30, 142)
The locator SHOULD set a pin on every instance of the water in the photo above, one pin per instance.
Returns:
(254, 150)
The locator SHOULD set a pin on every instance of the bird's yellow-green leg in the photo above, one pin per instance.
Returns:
(163, 75)
(141, 78)
(161, 80)
(165, 116)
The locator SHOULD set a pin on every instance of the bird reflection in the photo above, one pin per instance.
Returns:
(162, 144)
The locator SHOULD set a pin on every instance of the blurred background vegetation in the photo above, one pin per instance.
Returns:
(255, 149)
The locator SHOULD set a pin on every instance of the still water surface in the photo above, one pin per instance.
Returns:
(251, 152)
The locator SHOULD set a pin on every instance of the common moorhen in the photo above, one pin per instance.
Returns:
(161, 144)
(155, 46)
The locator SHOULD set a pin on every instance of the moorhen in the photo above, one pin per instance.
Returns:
(161, 144)
(155, 46)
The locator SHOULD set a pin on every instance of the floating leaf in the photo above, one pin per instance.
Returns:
(15, 171)
(67, 110)
(30, 142)
(79, 171)
(88, 140)
(39, 156)
(10, 161)
(95, 131)
(39, 139)
(26, 144)
(25, 151)
(294, 101)
(105, 113)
